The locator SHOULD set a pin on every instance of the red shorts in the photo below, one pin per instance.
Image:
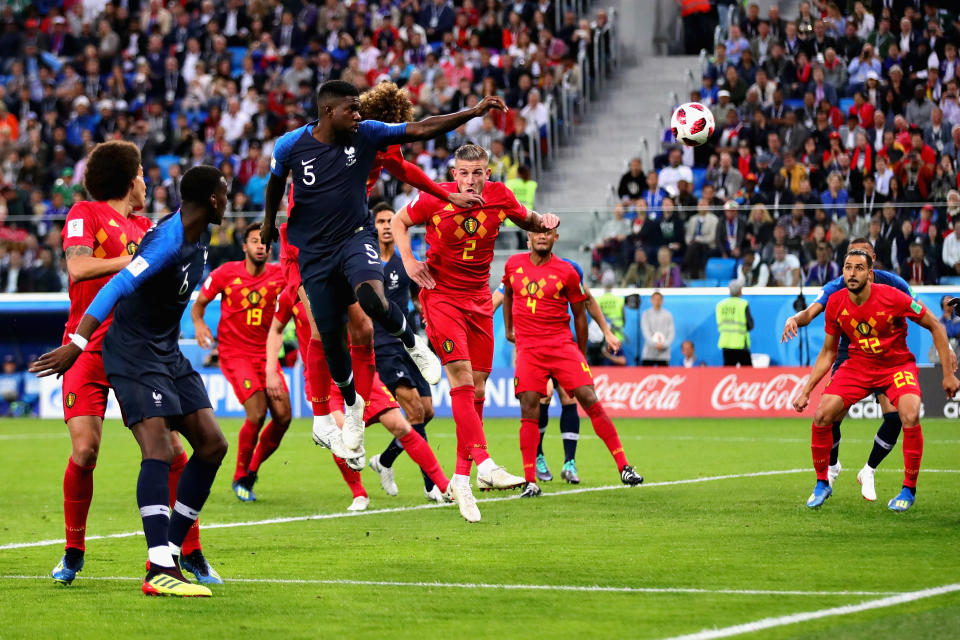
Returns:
(565, 364)
(853, 382)
(380, 400)
(246, 375)
(85, 387)
(460, 327)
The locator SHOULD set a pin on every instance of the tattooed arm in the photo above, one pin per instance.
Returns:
(81, 265)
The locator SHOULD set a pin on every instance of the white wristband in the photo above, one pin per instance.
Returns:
(78, 340)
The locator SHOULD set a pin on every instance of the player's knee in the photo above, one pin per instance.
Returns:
(910, 417)
(372, 303)
(394, 422)
(360, 329)
(586, 396)
(529, 404)
(85, 453)
(214, 447)
(427, 412)
(822, 418)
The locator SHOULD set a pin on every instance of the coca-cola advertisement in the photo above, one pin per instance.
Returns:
(676, 392)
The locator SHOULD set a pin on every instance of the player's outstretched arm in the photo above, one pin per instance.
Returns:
(801, 319)
(580, 326)
(81, 265)
(539, 222)
(200, 328)
(275, 387)
(507, 301)
(435, 125)
(418, 271)
(413, 175)
(271, 198)
(828, 353)
(498, 295)
(942, 344)
(593, 308)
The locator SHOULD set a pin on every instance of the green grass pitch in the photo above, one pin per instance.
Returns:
(681, 554)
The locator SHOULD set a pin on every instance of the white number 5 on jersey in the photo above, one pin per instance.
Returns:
(308, 176)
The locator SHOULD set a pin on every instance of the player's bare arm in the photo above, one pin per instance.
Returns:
(539, 222)
(276, 390)
(942, 345)
(200, 328)
(81, 265)
(497, 298)
(613, 342)
(433, 126)
(506, 299)
(418, 271)
(62, 358)
(272, 197)
(828, 353)
(580, 325)
(801, 319)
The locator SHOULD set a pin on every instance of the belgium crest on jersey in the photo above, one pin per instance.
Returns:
(470, 225)
(447, 346)
(863, 328)
(71, 399)
(132, 248)
(532, 288)
(247, 384)
(254, 297)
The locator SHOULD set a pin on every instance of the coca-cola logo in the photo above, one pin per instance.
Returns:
(775, 394)
(655, 392)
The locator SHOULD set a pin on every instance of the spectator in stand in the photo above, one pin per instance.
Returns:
(14, 277)
(735, 45)
(785, 268)
(823, 269)
(640, 273)
(916, 269)
(701, 239)
(938, 135)
(731, 231)
(759, 226)
(668, 273)
(674, 171)
(656, 326)
(724, 177)
(612, 234)
(652, 196)
(918, 110)
(632, 183)
(257, 184)
(672, 232)
(853, 224)
(915, 176)
(834, 196)
(951, 248)
(796, 227)
(751, 272)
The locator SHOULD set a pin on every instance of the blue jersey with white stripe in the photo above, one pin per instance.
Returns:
(329, 184)
(152, 292)
(838, 284)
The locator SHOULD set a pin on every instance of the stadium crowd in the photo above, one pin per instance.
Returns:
(216, 82)
(839, 123)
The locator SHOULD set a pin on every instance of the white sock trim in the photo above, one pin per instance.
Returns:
(174, 549)
(154, 510)
(486, 466)
(344, 384)
(569, 435)
(160, 557)
(185, 511)
(461, 479)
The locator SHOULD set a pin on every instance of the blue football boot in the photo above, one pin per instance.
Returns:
(820, 494)
(903, 500)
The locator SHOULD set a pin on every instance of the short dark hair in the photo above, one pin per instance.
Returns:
(111, 167)
(253, 226)
(383, 206)
(860, 252)
(199, 183)
(860, 240)
(334, 90)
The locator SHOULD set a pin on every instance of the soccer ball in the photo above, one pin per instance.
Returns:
(692, 124)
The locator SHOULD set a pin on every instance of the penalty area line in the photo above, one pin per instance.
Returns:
(780, 621)
(500, 587)
(354, 514)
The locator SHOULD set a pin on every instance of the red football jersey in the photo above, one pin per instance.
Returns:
(461, 240)
(109, 234)
(390, 154)
(877, 329)
(246, 308)
(289, 259)
(541, 297)
(289, 306)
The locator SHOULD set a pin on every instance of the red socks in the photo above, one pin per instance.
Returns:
(529, 438)
(478, 406)
(421, 453)
(821, 441)
(269, 441)
(318, 378)
(351, 477)
(471, 443)
(246, 443)
(912, 453)
(192, 542)
(605, 430)
(77, 494)
(364, 367)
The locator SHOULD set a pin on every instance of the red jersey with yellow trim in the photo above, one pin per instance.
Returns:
(246, 308)
(877, 329)
(461, 240)
(98, 226)
(541, 298)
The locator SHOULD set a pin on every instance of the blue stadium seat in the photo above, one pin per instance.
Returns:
(699, 179)
(720, 270)
(950, 280)
(845, 104)
(164, 163)
(237, 54)
(703, 282)
(793, 103)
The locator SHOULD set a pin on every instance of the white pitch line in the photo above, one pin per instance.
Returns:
(355, 514)
(507, 587)
(781, 621)
(371, 512)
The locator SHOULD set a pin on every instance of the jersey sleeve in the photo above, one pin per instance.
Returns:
(282, 151)
(399, 168)
(422, 207)
(381, 133)
(159, 249)
(573, 283)
(828, 290)
(907, 306)
(576, 267)
(512, 207)
(80, 227)
(213, 285)
(830, 324)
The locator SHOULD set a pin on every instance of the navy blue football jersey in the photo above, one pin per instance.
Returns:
(329, 185)
(152, 292)
(396, 286)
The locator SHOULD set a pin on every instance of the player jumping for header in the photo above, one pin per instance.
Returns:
(873, 317)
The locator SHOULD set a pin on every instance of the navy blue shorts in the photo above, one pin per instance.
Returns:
(153, 389)
(396, 368)
(330, 279)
